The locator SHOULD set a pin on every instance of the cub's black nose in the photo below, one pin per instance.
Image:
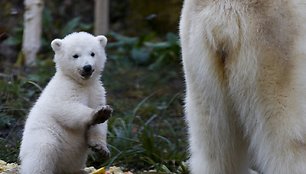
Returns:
(87, 68)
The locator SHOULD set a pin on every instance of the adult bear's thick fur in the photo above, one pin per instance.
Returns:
(245, 70)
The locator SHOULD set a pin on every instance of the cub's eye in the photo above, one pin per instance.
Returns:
(92, 54)
(75, 56)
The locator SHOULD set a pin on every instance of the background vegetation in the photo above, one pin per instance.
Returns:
(143, 78)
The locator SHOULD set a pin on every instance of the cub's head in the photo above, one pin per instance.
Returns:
(80, 55)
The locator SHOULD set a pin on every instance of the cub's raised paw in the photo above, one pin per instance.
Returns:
(102, 114)
(101, 149)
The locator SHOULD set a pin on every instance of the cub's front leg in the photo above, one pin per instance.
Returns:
(97, 134)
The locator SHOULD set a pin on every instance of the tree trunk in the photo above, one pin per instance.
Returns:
(101, 16)
(32, 29)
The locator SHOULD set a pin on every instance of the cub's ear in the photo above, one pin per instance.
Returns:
(56, 45)
(103, 40)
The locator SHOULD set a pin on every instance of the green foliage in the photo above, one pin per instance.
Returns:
(75, 25)
(16, 39)
(51, 28)
(13, 99)
(8, 152)
(138, 143)
(54, 28)
(19, 91)
(6, 121)
(144, 50)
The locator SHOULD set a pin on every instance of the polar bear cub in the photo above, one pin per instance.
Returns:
(70, 115)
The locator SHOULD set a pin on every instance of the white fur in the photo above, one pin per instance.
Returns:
(56, 135)
(245, 71)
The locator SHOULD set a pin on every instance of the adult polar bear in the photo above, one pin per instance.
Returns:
(65, 119)
(245, 70)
